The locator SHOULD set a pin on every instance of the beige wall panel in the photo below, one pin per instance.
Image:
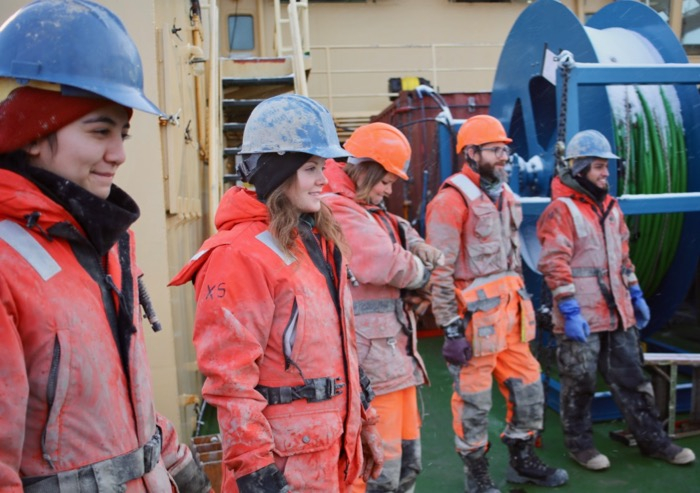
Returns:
(142, 177)
(418, 32)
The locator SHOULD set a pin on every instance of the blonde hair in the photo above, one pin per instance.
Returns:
(365, 176)
(284, 221)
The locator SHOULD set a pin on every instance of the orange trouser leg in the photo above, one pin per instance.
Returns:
(399, 427)
(518, 375)
(519, 379)
(471, 402)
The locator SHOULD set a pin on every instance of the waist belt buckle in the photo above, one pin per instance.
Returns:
(334, 387)
(151, 452)
(324, 388)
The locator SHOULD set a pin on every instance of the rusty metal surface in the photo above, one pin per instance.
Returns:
(415, 117)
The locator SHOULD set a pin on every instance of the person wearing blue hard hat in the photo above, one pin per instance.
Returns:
(76, 401)
(274, 327)
(599, 306)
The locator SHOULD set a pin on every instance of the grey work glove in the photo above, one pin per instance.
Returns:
(269, 479)
(456, 349)
(430, 256)
(191, 478)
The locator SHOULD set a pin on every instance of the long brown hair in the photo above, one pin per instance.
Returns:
(284, 221)
(364, 175)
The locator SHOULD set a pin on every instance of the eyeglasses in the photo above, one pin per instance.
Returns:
(504, 151)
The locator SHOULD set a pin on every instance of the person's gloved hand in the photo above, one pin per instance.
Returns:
(372, 448)
(418, 300)
(432, 257)
(575, 326)
(456, 349)
(268, 479)
(642, 314)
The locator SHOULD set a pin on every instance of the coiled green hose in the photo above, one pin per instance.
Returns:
(654, 157)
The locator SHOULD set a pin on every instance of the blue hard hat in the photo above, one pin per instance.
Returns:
(589, 143)
(77, 44)
(291, 123)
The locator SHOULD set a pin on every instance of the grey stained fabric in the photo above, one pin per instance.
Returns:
(399, 475)
(617, 355)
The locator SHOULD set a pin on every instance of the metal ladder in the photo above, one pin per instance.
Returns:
(245, 83)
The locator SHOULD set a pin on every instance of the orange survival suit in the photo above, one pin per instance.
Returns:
(579, 259)
(267, 330)
(481, 280)
(76, 404)
(386, 335)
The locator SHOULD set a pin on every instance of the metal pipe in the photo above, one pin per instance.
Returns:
(300, 85)
(216, 154)
(661, 203)
(200, 111)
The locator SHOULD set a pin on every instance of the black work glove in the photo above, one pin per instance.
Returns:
(191, 478)
(456, 349)
(269, 479)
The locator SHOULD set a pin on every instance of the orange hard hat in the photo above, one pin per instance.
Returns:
(481, 129)
(383, 144)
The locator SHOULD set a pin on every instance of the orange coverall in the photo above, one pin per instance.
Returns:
(585, 254)
(387, 345)
(76, 385)
(264, 321)
(481, 280)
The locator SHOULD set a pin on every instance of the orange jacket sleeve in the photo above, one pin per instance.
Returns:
(445, 218)
(228, 353)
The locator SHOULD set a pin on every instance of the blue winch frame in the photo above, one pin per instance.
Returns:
(518, 90)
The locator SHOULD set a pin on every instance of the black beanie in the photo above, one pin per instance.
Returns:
(273, 169)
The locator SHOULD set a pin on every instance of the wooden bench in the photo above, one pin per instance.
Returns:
(664, 368)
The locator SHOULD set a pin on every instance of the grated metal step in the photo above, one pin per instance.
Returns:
(287, 80)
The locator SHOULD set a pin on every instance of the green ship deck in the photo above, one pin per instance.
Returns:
(630, 472)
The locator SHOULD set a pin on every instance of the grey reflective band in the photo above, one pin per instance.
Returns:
(375, 306)
(466, 186)
(576, 215)
(565, 289)
(198, 254)
(483, 304)
(270, 242)
(587, 272)
(107, 475)
(480, 281)
(24, 243)
(616, 215)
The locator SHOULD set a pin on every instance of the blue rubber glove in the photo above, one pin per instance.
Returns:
(456, 349)
(575, 326)
(641, 310)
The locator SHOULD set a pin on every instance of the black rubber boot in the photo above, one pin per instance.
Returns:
(476, 473)
(525, 467)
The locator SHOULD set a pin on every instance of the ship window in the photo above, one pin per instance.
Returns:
(240, 33)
